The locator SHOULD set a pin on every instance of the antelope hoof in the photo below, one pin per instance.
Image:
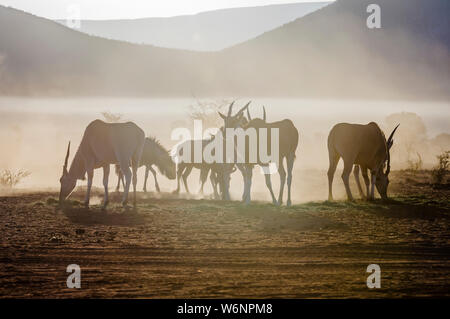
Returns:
(86, 205)
(288, 203)
(145, 190)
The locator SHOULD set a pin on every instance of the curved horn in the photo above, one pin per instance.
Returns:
(67, 158)
(390, 141)
(230, 108)
(264, 114)
(245, 107)
(389, 144)
(248, 115)
(388, 165)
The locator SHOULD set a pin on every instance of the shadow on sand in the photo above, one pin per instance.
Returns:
(114, 216)
(418, 207)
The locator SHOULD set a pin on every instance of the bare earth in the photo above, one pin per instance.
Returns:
(180, 248)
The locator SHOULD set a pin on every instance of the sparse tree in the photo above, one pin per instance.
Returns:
(206, 111)
(10, 179)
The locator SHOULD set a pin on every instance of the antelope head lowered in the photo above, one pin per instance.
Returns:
(363, 147)
(68, 182)
(382, 179)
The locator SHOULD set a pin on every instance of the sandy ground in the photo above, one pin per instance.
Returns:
(186, 248)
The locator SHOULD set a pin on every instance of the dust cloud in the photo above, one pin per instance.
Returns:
(34, 133)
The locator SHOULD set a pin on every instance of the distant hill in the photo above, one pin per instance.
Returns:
(329, 53)
(206, 31)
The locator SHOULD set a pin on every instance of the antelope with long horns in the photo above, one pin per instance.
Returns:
(104, 144)
(225, 170)
(154, 154)
(287, 145)
(364, 146)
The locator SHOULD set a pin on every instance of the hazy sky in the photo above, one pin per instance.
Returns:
(114, 9)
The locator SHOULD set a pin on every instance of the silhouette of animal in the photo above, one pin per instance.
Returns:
(154, 154)
(366, 147)
(287, 146)
(104, 144)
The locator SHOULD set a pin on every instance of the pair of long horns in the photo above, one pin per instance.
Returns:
(264, 114)
(389, 144)
(67, 159)
(230, 108)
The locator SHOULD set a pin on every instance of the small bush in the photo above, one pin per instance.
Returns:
(441, 170)
(10, 179)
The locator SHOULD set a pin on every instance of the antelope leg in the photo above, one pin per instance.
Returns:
(348, 165)
(358, 182)
(90, 176)
(185, 176)
(154, 176)
(105, 184)
(134, 184)
(127, 174)
(282, 173)
(290, 165)
(334, 159)
(145, 179)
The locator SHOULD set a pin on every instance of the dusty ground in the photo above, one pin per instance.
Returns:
(171, 247)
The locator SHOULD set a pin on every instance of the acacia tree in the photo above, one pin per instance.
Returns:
(206, 111)
(10, 179)
(112, 117)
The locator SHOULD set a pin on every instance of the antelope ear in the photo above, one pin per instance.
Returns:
(222, 116)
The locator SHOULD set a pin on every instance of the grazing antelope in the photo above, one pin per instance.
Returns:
(364, 146)
(287, 146)
(154, 154)
(104, 144)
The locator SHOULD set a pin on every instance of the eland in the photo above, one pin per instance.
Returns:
(287, 146)
(104, 144)
(364, 146)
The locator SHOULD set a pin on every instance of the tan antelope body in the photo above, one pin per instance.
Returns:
(287, 146)
(104, 144)
(364, 146)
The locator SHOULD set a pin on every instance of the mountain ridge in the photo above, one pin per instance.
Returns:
(204, 31)
(329, 53)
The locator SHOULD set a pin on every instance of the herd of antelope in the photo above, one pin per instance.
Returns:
(362, 147)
